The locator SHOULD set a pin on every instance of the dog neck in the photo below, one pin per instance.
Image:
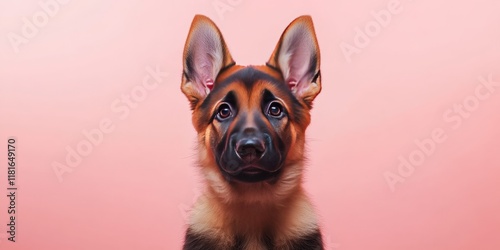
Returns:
(254, 210)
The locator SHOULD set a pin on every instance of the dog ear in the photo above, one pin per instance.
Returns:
(297, 57)
(205, 54)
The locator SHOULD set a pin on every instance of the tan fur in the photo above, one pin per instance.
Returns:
(292, 218)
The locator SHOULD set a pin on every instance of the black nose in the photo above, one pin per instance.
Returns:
(250, 146)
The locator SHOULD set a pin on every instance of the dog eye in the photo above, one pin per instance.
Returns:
(275, 109)
(224, 111)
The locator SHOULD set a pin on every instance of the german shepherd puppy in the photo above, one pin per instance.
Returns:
(251, 123)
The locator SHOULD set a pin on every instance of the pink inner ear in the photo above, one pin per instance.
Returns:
(298, 64)
(209, 83)
(204, 72)
(207, 58)
(295, 56)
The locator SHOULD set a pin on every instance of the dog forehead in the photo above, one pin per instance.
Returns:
(250, 76)
(246, 83)
(249, 73)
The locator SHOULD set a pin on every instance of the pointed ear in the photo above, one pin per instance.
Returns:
(297, 57)
(205, 54)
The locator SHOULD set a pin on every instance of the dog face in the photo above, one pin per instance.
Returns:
(251, 120)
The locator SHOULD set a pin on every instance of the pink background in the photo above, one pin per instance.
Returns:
(132, 190)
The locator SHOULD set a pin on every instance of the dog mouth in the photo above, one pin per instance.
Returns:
(251, 170)
(251, 174)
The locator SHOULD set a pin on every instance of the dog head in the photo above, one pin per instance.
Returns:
(251, 120)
